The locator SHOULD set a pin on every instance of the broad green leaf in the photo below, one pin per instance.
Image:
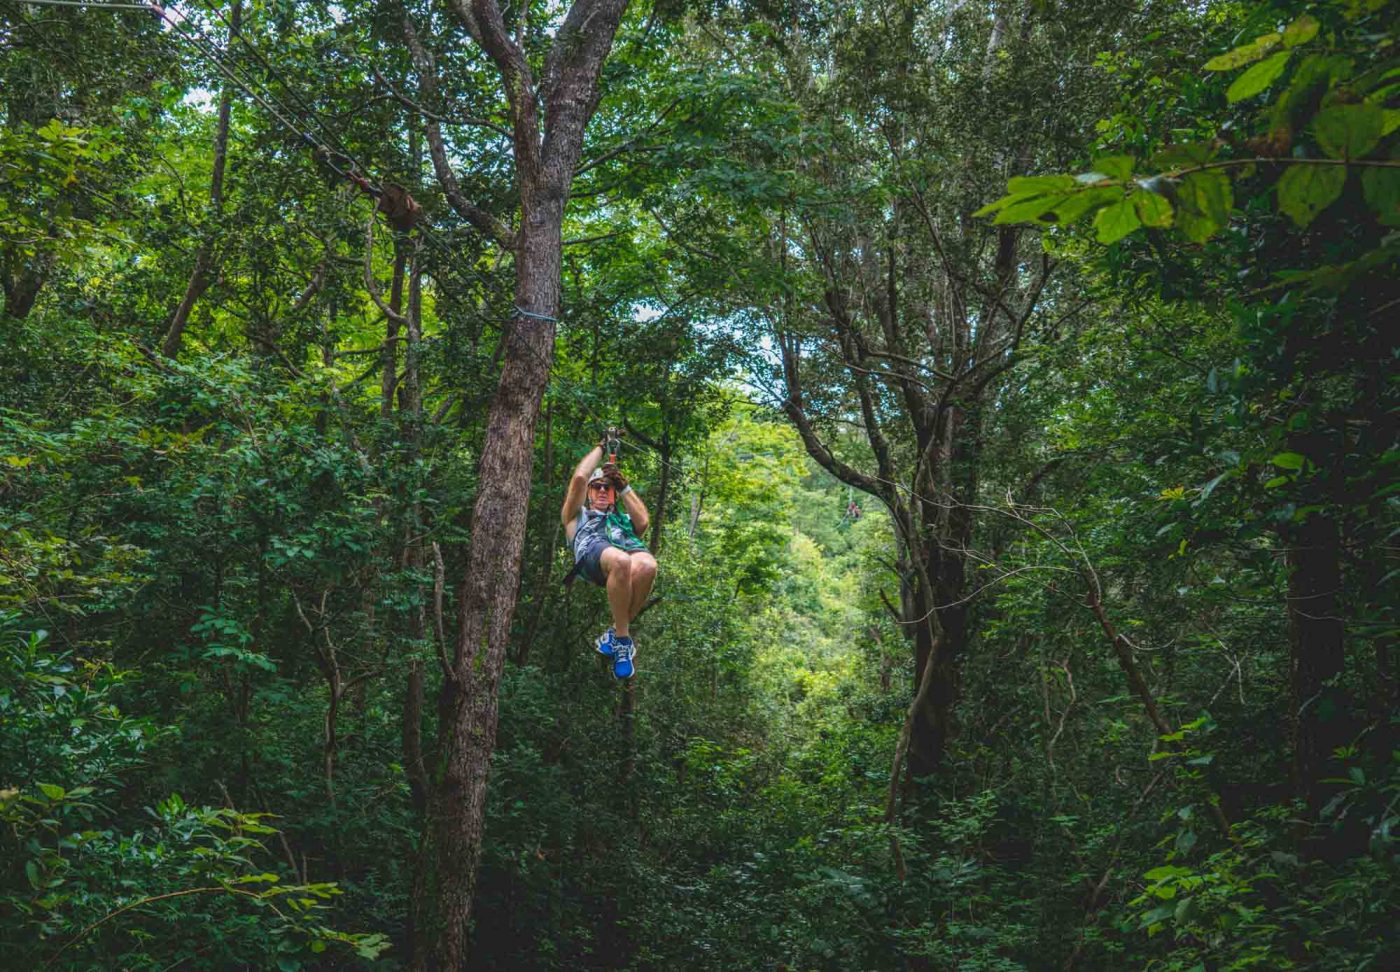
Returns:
(1083, 201)
(1314, 74)
(1300, 31)
(1026, 209)
(1349, 131)
(1112, 223)
(1289, 460)
(1356, 9)
(1244, 54)
(1118, 167)
(52, 791)
(1381, 187)
(1257, 78)
(1203, 203)
(1390, 120)
(1039, 185)
(1152, 209)
(997, 205)
(1306, 190)
(1155, 916)
(1185, 156)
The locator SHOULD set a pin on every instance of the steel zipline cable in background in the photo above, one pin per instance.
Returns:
(185, 29)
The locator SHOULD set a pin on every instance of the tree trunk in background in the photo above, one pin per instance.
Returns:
(944, 507)
(203, 274)
(22, 285)
(663, 496)
(1316, 633)
(389, 375)
(445, 877)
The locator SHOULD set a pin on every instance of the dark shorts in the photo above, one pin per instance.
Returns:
(591, 565)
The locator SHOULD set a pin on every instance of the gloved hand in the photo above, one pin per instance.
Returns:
(614, 477)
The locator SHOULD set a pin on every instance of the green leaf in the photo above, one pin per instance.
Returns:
(1315, 74)
(31, 871)
(1156, 915)
(1022, 190)
(52, 791)
(1356, 9)
(1026, 209)
(1289, 460)
(1118, 167)
(1039, 185)
(1349, 131)
(1203, 203)
(1381, 188)
(1115, 222)
(1300, 31)
(1306, 190)
(1083, 201)
(1186, 155)
(1257, 78)
(1152, 209)
(996, 205)
(1244, 54)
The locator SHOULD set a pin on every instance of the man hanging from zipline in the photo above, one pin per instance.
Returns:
(607, 550)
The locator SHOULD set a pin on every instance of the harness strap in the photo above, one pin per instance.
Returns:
(573, 573)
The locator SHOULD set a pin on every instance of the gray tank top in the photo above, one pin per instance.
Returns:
(592, 529)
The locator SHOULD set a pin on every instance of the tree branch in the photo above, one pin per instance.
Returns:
(370, 285)
(479, 218)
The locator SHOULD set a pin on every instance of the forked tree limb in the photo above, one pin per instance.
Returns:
(202, 274)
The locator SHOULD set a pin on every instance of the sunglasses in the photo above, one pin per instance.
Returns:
(600, 486)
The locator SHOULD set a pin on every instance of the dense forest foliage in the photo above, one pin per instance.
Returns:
(1012, 385)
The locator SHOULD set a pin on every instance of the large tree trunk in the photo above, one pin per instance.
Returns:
(941, 644)
(944, 507)
(468, 706)
(445, 878)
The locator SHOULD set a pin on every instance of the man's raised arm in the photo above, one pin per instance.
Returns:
(578, 485)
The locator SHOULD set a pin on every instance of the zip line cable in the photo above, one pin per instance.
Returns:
(80, 3)
(279, 110)
(326, 153)
(269, 101)
(212, 53)
(308, 111)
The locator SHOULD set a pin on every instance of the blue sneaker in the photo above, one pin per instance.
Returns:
(605, 643)
(624, 650)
